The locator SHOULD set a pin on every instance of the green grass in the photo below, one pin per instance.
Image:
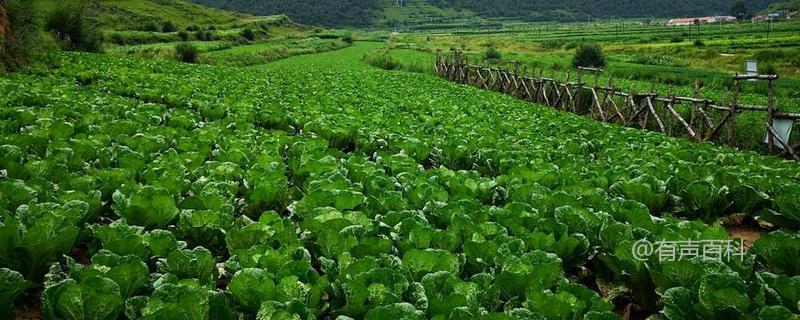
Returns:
(271, 50)
(166, 50)
(128, 14)
(415, 13)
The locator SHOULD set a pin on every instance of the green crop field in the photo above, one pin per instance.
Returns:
(294, 172)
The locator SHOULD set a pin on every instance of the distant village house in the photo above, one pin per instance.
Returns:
(691, 21)
(766, 17)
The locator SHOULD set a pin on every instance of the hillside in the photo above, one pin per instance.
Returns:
(132, 14)
(791, 6)
(361, 13)
(356, 13)
(116, 13)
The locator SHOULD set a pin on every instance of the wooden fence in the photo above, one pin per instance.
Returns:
(705, 120)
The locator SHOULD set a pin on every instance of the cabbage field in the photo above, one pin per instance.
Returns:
(318, 187)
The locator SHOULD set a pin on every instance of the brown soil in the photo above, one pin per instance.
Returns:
(742, 226)
(748, 234)
(28, 307)
(27, 314)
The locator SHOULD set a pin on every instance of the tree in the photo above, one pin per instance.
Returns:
(589, 55)
(74, 30)
(739, 9)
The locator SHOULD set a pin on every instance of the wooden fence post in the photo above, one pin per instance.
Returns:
(733, 110)
(770, 117)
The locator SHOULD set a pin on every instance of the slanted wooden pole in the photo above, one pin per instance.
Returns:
(733, 107)
(770, 116)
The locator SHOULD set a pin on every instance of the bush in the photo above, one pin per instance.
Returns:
(168, 27)
(348, 38)
(204, 36)
(381, 59)
(492, 54)
(589, 55)
(699, 43)
(248, 34)
(572, 45)
(552, 44)
(118, 39)
(151, 26)
(74, 31)
(768, 68)
(186, 52)
(676, 39)
(183, 35)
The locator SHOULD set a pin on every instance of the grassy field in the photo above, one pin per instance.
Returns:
(271, 50)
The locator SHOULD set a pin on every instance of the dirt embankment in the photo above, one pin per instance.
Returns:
(5, 29)
(6, 41)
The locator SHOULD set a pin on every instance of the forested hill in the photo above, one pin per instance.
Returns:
(362, 13)
(567, 10)
(330, 13)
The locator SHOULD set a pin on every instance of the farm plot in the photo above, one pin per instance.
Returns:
(320, 187)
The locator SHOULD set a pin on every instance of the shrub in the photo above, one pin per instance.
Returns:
(589, 55)
(492, 54)
(795, 62)
(572, 45)
(151, 26)
(699, 43)
(204, 35)
(248, 34)
(348, 38)
(768, 68)
(168, 27)
(769, 55)
(192, 28)
(186, 52)
(381, 59)
(74, 30)
(183, 35)
(118, 39)
(552, 44)
(676, 39)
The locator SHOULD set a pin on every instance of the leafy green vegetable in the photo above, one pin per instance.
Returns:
(36, 234)
(145, 206)
(251, 287)
(93, 297)
(13, 285)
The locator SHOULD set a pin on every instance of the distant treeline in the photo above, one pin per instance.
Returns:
(362, 13)
(576, 10)
(329, 13)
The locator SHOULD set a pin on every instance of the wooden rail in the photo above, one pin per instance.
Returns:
(707, 119)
